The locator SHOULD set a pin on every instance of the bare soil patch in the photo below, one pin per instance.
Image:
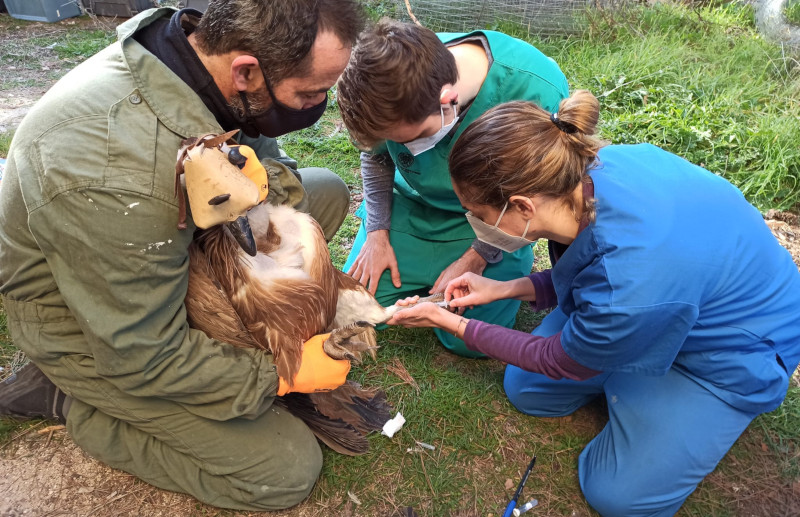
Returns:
(30, 65)
(45, 474)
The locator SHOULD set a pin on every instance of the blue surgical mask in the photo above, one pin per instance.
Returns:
(496, 237)
(420, 145)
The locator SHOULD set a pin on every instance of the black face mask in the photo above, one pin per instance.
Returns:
(279, 118)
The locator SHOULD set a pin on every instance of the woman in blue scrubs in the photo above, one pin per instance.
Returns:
(671, 297)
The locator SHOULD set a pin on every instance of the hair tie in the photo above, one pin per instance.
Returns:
(566, 127)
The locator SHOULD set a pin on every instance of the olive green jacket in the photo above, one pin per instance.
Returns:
(91, 260)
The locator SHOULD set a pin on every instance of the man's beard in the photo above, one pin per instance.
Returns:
(259, 103)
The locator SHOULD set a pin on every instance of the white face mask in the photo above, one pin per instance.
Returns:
(496, 237)
(420, 145)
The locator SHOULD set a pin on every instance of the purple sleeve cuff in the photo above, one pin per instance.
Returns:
(536, 354)
(545, 292)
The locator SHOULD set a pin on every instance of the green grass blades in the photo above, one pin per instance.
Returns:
(700, 83)
(780, 432)
(457, 406)
(76, 46)
(5, 142)
(791, 10)
(9, 359)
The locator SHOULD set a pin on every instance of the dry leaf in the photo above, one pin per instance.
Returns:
(509, 484)
(50, 429)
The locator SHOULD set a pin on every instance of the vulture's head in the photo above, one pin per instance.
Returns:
(223, 181)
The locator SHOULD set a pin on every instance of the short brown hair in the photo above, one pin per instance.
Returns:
(517, 148)
(395, 74)
(279, 34)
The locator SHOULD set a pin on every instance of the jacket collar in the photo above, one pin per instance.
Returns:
(175, 104)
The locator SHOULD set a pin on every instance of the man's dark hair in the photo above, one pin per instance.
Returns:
(279, 34)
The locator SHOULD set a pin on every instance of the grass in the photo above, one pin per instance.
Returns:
(791, 10)
(77, 46)
(780, 432)
(700, 83)
(7, 349)
(697, 81)
(5, 142)
(40, 53)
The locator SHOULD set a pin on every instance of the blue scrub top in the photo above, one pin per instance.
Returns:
(679, 270)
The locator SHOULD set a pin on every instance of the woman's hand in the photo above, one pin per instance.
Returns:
(425, 314)
(470, 290)
(375, 257)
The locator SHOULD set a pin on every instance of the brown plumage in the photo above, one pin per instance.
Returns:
(276, 300)
(281, 297)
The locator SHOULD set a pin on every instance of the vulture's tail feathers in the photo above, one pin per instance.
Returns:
(333, 432)
(341, 418)
(364, 409)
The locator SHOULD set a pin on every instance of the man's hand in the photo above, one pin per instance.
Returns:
(375, 257)
(318, 372)
(469, 262)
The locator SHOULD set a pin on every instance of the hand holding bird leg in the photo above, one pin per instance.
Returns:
(437, 299)
(469, 262)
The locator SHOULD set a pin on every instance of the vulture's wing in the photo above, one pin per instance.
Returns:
(208, 308)
(280, 306)
(282, 314)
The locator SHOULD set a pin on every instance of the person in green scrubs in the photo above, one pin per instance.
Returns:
(406, 96)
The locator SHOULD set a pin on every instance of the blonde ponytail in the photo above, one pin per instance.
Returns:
(580, 110)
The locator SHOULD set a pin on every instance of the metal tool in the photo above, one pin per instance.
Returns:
(513, 503)
(524, 508)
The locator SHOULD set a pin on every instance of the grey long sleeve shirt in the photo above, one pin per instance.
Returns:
(377, 174)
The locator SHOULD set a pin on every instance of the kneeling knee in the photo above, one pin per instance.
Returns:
(534, 402)
(606, 495)
(611, 496)
(289, 483)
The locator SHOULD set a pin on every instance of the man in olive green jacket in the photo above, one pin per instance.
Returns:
(93, 270)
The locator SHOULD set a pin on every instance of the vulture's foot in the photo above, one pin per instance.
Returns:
(351, 341)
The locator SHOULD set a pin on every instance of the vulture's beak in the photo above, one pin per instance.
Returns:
(240, 229)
